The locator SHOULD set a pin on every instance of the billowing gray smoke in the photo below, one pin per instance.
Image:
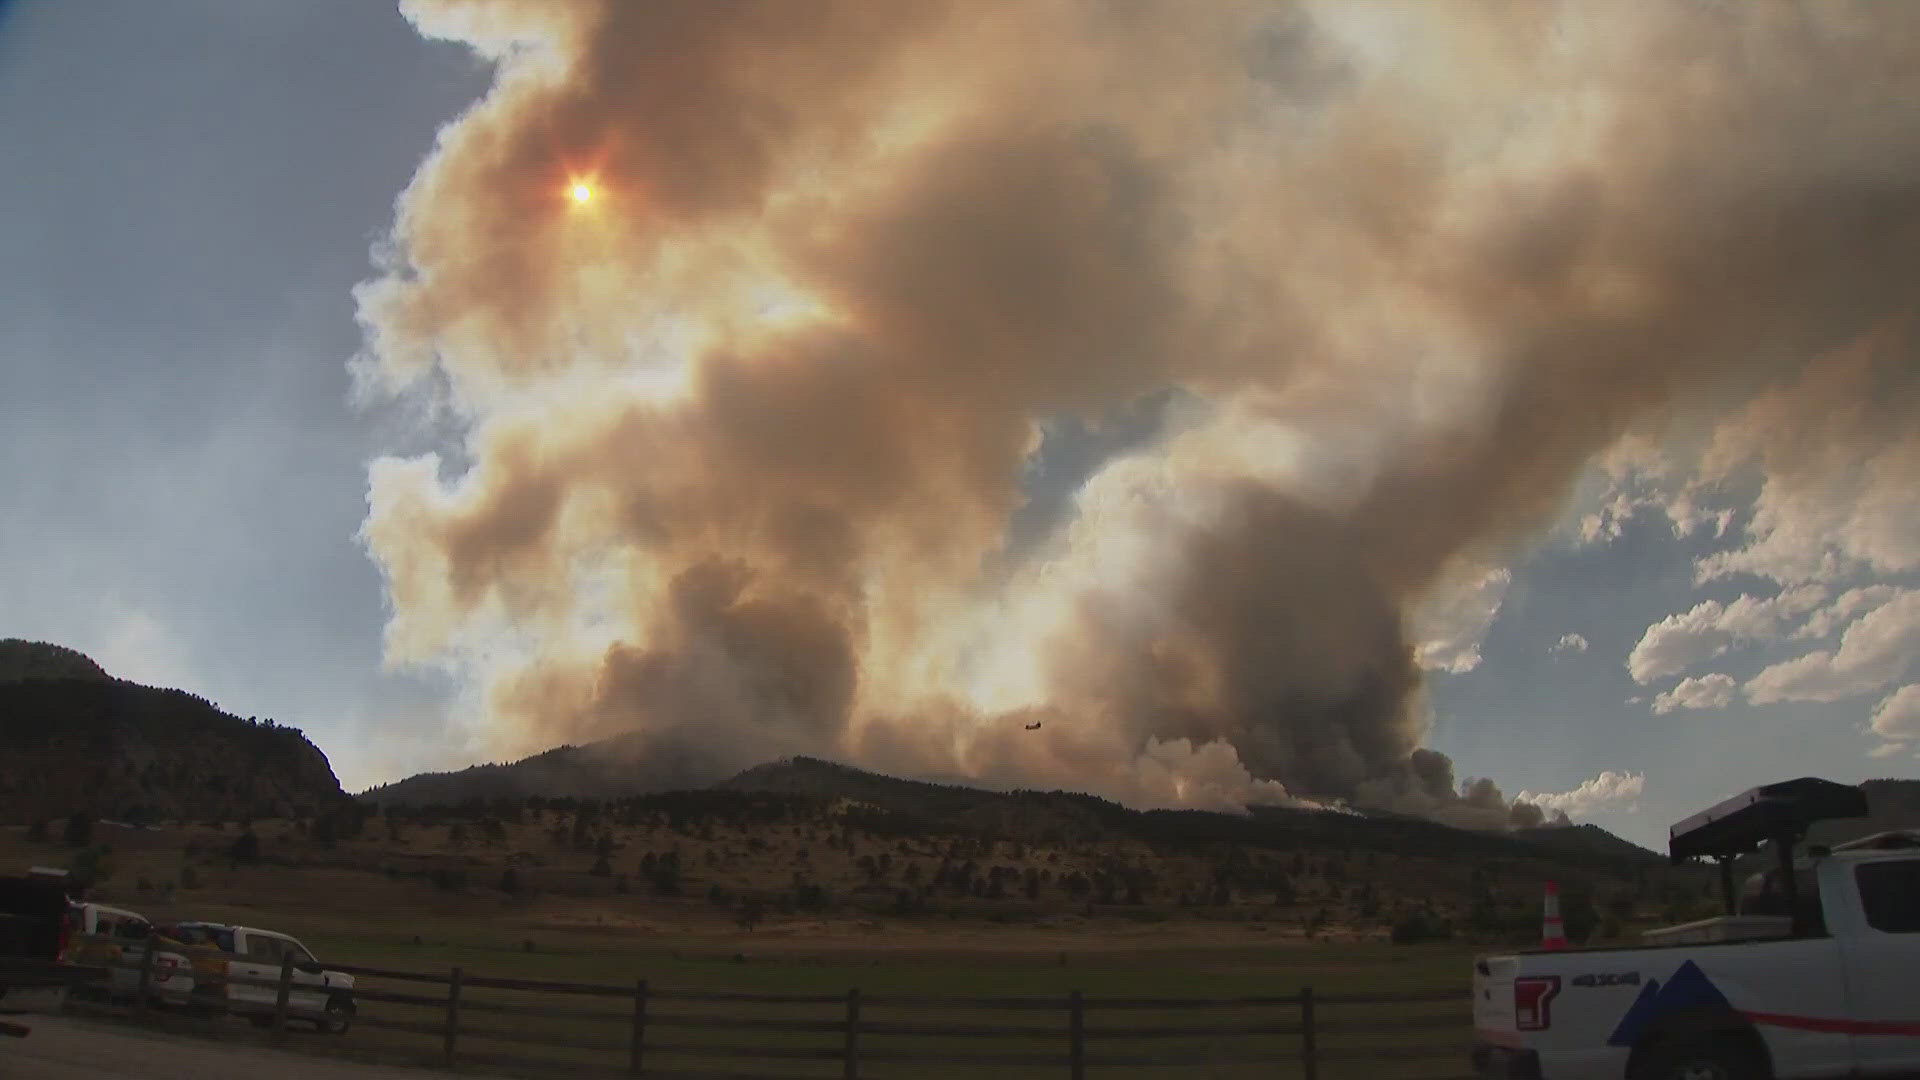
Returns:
(752, 315)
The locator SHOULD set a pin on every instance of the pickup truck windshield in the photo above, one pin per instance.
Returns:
(1890, 895)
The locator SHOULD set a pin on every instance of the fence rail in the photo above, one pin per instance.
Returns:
(663, 1033)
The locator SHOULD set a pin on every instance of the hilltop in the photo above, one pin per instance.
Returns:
(803, 834)
(1891, 804)
(75, 740)
(615, 768)
(21, 660)
(805, 838)
(618, 770)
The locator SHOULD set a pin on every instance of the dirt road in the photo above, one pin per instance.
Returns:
(67, 1048)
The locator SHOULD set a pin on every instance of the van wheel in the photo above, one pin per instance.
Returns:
(1703, 1058)
(339, 1015)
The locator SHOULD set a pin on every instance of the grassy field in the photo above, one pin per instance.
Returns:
(926, 964)
(374, 918)
(989, 966)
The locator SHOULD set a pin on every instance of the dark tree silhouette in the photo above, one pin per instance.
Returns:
(246, 848)
(79, 829)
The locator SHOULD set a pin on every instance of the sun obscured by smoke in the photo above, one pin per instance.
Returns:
(745, 430)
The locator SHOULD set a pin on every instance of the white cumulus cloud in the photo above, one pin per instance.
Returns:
(1610, 788)
(1845, 608)
(1571, 643)
(1705, 692)
(1874, 652)
(1710, 628)
(1898, 717)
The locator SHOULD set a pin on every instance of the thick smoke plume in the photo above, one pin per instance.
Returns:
(743, 435)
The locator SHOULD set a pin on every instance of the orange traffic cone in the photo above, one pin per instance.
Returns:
(1553, 932)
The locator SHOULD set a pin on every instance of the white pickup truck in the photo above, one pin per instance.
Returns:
(1815, 972)
(220, 953)
(117, 939)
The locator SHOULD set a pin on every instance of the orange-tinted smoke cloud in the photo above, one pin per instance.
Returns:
(743, 435)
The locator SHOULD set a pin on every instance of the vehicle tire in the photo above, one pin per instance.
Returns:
(1703, 1057)
(339, 1015)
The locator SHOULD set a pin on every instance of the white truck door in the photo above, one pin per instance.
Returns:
(1883, 966)
(262, 963)
(309, 983)
(1785, 988)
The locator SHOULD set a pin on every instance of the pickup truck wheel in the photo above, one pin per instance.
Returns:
(339, 1016)
(1702, 1058)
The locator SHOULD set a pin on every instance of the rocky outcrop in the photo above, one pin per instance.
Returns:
(117, 750)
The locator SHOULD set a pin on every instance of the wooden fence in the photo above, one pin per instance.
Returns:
(636, 1029)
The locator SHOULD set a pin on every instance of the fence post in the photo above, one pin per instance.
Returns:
(281, 996)
(145, 985)
(1309, 1049)
(1077, 1036)
(852, 1055)
(639, 1027)
(453, 1013)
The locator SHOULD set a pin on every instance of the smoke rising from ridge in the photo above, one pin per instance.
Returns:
(744, 435)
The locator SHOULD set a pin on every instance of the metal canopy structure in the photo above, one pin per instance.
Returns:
(1778, 813)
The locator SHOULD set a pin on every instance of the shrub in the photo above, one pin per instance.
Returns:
(79, 830)
(1580, 915)
(1419, 927)
(93, 865)
(751, 912)
(246, 848)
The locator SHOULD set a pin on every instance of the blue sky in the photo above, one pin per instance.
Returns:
(1543, 715)
(189, 194)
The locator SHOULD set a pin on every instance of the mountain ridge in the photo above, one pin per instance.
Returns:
(75, 740)
(1039, 815)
